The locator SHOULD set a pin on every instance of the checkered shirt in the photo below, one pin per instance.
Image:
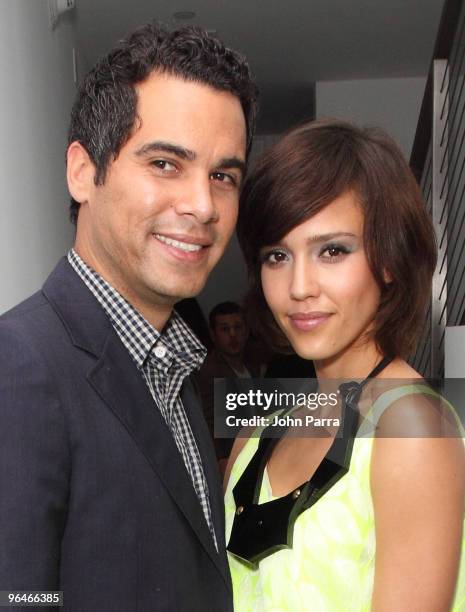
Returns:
(164, 360)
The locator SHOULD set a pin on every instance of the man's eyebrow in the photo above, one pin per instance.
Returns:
(232, 162)
(160, 146)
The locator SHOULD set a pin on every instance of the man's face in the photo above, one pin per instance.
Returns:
(169, 203)
(229, 334)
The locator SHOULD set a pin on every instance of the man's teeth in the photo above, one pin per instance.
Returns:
(184, 246)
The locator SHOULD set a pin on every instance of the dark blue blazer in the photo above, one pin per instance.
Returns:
(95, 499)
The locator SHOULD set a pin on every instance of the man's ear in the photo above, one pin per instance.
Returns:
(80, 172)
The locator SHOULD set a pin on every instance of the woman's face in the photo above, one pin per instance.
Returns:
(318, 283)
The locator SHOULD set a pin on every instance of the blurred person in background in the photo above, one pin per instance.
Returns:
(229, 358)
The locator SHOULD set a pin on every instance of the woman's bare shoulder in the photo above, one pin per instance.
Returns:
(400, 369)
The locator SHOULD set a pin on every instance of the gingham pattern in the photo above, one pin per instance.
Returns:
(164, 360)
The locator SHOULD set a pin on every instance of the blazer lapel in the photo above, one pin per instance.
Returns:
(201, 433)
(120, 385)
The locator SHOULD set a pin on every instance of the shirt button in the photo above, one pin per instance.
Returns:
(160, 351)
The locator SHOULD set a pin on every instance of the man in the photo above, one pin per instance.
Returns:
(229, 333)
(230, 336)
(109, 491)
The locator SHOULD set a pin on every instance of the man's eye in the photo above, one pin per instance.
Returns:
(164, 165)
(222, 177)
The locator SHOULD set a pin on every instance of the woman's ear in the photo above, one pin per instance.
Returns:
(387, 278)
(80, 172)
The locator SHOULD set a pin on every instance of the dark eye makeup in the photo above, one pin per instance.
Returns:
(330, 253)
(272, 256)
(334, 251)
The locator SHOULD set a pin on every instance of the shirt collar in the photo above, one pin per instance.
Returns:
(177, 343)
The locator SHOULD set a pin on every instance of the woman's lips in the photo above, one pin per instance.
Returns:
(307, 321)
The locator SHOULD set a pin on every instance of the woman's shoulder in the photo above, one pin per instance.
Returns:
(402, 404)
(416, 430)
(415, 427)
(400, 369)
(418, 437)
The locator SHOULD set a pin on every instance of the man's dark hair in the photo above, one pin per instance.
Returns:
(105, 110)
(223, 308)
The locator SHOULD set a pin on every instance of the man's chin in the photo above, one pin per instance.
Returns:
(175, 293)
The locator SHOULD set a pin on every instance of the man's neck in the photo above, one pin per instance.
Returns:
(155, 314)
(234, 361)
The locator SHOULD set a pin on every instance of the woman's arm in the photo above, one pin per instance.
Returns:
(418, 488)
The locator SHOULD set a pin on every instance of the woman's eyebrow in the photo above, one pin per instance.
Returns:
(330, 236)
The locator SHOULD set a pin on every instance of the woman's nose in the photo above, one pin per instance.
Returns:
(304, 281)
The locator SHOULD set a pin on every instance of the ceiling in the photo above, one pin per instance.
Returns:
(290, 45)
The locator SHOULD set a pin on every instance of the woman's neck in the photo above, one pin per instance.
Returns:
(356, 362)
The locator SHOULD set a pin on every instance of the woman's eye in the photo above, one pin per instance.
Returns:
(334, 252)
(274, 257)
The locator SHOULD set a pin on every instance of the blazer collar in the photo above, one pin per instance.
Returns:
(81, 314)
(120, 385)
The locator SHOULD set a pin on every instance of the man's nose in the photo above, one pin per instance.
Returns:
(304, 281)
(197, 200)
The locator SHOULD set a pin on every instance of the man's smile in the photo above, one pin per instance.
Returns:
(187, 248)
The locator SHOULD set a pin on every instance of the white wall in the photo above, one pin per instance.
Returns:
(454, 368)
(454, 362)
(393, 104)
(37, 91)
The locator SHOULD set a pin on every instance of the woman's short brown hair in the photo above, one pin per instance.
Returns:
(308, 169)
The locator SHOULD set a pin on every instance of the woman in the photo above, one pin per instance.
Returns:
(341, 253)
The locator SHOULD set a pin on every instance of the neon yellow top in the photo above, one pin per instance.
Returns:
(331, 565)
